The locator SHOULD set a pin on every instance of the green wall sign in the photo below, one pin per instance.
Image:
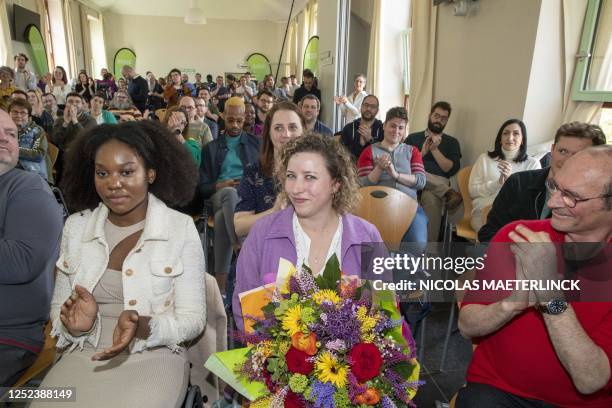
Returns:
(259, 65)
(311, 55)
(124, 56)
(38, 50)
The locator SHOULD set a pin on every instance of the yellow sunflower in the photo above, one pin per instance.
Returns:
(330, 370)
(326, 294)
(292, 320)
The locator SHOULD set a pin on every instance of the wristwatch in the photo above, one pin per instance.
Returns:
(554, 307)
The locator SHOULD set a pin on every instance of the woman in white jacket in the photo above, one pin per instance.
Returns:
(351, 105)
(130, 277)
(492, 169)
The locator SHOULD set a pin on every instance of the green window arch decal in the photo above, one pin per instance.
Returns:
(259, 65)
(38, 50)
(311, 55)
(124, 56)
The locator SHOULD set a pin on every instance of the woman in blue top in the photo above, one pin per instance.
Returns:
(257, 192)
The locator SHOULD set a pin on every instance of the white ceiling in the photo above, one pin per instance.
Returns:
(270, 10)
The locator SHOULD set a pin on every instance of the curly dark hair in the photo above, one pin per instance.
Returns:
(176, 173)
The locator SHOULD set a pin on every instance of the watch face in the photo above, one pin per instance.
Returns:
(557, 306)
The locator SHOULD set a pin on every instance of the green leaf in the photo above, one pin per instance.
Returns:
(403, 368)
(331, 275)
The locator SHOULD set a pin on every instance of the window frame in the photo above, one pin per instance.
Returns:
(583, 64)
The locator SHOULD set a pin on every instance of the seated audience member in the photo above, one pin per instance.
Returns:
(310, 106)
(186, 84)
(265, 101)
(201, 116)
(155, 91)
(293, 84)
(130, 278)
(122, 85)
(365, 130)
(309, 86)
(97, 112)
(523, 196)
(492, 169)
(74, 120)
(244, 89)
(249, 118)
(565, 342)
(177, 121)
(257, 192)
(84, 87)
(221, 92)
(286, 86)
(122, 107)
(138, 88)
(7, 76)
(32, 140)
(223, 163)
(59, 86)
(106, 85)
(319, 180)
(394, 164)
(198, 130)
(198, 84)
(50, 105)
(30, 231)
(250, 82)
(442, 158)
(268, 85)
(174, 89)
(24, 79)
(39, 115)
(213, 111)
(350, 105)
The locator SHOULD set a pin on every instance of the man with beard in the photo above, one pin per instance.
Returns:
(310, 105)
(265, 101)
(523, 196)
(441, 157)
(24, 79)
(364, 131)
(201, 115)
(223, 161)
(309, 86)
(50, 105)
(198, 130)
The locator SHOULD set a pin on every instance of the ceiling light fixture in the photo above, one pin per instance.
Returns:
(195, 15)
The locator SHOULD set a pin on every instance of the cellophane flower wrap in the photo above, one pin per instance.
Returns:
(331, 342)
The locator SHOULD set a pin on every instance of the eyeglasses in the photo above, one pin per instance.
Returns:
(569, 199)
(439, 117)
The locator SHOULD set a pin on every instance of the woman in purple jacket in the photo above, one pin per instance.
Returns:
(319, 179)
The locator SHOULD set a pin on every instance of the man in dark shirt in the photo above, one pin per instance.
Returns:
(30, 230)
(308, 87)
(441, 158)
(365, 130)
(523, 196)
(138, 88)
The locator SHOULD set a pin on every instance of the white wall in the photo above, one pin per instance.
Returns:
(327, 17)
(19, 47)
(162, 43)
(359, 40)
(483, 67)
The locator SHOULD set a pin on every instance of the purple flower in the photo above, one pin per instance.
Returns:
(306, 283)
(354, 388)
(387, 402)
(323, 394)
(339, 324)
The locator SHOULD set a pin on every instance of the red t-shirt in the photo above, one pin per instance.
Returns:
(520, 358)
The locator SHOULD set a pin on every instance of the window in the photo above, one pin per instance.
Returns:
(98, 50)
(593, 77)
(58, 36)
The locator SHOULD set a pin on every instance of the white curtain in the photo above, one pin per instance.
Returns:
(573, 21)
(44, 30)
(6, 47)
(375, 46)
(72, 69)
(422, 53)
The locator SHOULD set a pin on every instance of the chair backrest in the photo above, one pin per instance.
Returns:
(53, 151)
(390, 210)
(463, 180)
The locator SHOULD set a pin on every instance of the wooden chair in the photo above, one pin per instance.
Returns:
(464, 227)
(53, 152)
(44, 360)
(390, 210)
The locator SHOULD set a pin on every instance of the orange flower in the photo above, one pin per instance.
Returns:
(370, 397)
(307, 344)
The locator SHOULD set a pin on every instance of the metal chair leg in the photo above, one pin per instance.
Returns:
(449, 330)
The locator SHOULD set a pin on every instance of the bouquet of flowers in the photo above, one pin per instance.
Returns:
(330, 342)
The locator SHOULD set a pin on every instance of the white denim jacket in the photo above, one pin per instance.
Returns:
(163, 275)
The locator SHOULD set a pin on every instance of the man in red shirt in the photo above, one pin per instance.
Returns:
(540, 348)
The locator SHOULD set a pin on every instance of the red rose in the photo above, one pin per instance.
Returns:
(292, 400)
(297, 363)
(365, 361)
